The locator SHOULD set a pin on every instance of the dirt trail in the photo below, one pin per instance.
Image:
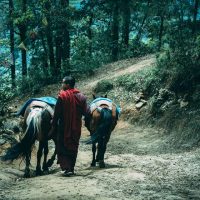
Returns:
(111, 71)
(138, 166)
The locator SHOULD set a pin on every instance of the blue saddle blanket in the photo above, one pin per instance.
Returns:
(49, 100)
(118, 109)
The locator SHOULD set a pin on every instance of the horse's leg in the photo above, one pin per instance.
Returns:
(46, 151)
(53, 157)
(51, 160)
(97, 157)
(39, 155)
(27, 170)
(103, 150)
(93, 164)
(100, 155)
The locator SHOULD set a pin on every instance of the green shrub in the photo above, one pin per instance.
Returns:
(83, 61)
(6, 92)
(103, 86)
(35, 81)
(145, 81)
(179, 65)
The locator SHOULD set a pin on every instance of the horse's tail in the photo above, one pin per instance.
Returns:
(104, 126)
(25, 145)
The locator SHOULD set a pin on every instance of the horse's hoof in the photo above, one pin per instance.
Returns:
(102, 164)
(45, 167)
(27, 173)
(93, 164)
(49, 163)
(46, 172)
(38, 172)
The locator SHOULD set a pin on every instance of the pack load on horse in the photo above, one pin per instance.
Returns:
(104, 116)
(37, 113)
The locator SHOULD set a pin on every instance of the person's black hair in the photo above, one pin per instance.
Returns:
(69, 80)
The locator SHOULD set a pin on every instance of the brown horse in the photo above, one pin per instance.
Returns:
(102, 123)
(36, 125)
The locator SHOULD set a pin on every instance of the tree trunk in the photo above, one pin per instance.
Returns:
(45, 61)
(138, 36)
(66, 40)
(196, 5)
(181, 16)
(66, 48)
(50, 48)
(58, 55)
(90, 33)
(50, 39)
(23, 51)
(22, 29)
(12, 43)
(160, 32)
(115, 31)
(126, 22)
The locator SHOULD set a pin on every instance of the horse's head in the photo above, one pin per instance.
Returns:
(95, 97)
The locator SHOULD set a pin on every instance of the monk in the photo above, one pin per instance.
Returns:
(67, 121)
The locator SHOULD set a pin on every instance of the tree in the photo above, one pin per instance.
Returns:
(161, 14)
(144, 13)
(49, 35)
(66, 35)
(88, 11)
(22, 32)
(115, 30)
(126, 12)
(196, 6)
(12, 43)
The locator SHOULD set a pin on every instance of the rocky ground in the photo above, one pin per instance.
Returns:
(137, 167)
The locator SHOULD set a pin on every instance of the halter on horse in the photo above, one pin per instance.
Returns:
(36, 124)
(103, 121)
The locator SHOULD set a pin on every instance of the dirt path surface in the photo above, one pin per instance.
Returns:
(117, 69)
(138, 166)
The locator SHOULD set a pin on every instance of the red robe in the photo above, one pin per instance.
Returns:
(70, 107)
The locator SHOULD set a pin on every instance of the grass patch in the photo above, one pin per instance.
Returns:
(144, 81)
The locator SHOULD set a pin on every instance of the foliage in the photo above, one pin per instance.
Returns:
(6, 92)
(179, 67)
(144, 81)
(35, 81)
(103, 86)
(58, 37)
(23, 18)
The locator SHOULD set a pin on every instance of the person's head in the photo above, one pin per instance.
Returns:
(68, 82)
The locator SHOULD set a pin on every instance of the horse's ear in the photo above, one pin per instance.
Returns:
(94, 97)
(105, 96)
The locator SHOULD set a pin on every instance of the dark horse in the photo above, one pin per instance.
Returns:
(36, 124)
(102, 123)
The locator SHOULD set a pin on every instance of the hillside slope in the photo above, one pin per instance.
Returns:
(138, 163)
